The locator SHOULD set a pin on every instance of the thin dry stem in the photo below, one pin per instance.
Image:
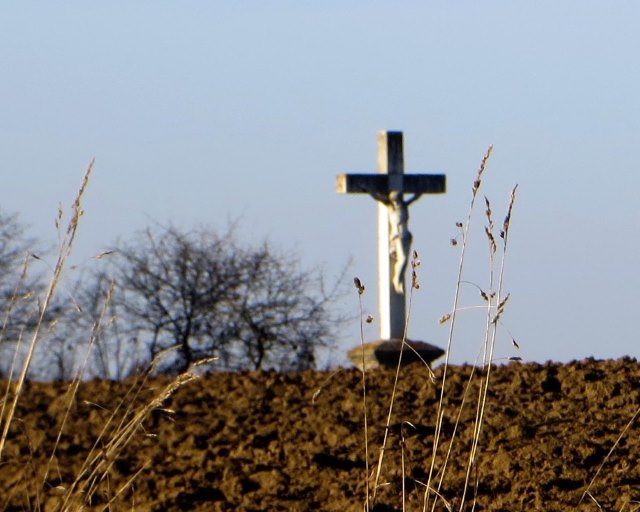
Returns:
(14, 298)
(95, 453)
(443, 470)
(73, 389)
(360, 289)
(587, 492)
(12, 302)
(465, 237)
(108, 454)
(402, 448)
(125, 486)
(490, 341)
(395, 383)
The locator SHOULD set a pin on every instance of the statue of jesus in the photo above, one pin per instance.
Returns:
(400, 237)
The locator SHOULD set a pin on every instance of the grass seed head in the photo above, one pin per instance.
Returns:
(483, 163)
(58, 219)
(507, 219)
(415, 263)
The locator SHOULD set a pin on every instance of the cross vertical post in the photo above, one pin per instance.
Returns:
(391, 303)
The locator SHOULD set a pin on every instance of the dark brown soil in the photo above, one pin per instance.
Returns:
(269, 441)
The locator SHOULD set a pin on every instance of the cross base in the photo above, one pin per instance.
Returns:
(387, 352)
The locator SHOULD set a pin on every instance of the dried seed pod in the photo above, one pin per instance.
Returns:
(492, 240)
(500, 309)
(103, 254)
(507, 219)
(503, 302)
(488, 205)
(444, 318)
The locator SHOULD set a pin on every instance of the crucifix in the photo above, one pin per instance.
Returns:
(388, 188)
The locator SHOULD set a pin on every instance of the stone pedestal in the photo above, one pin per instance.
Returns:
(386, 353)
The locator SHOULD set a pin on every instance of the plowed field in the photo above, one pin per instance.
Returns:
(295, 442)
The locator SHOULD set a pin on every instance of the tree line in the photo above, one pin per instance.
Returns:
(166, 299)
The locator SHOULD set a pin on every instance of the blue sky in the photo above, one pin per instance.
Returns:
(204, 112)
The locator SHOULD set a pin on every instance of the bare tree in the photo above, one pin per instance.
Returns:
(279, 315)
(18, 286)
(203, 294)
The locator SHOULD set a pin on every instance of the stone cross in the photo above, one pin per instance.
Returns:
(388, 188)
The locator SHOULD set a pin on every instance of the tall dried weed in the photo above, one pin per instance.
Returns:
(124, 421)
(494, 301)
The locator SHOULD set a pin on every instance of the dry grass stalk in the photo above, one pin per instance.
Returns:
(124, 487)
(360, 289)
(415, 262)
(107, 448)
(490, 341)
(587, 491)
(464, 227)
(63, 252)
(364, 364)
(97, 468)
(73, 388)
(113, 438)
(15, 296)
(495, 306)
(443, 470)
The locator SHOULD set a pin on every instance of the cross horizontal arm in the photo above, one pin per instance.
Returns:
(383, 183)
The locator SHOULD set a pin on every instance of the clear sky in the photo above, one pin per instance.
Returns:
(204, 111)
